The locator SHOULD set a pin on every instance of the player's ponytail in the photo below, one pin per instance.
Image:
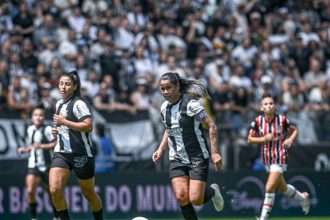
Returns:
(194, 88)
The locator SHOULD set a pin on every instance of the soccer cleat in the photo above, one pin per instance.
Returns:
(305, 204)
(217, 198)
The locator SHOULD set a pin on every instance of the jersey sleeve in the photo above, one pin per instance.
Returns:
(81, 110)
(254, 130)
(48, 134)
(287, 123)
(194, 107)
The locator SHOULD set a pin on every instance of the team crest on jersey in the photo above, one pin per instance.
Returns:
(178, 115)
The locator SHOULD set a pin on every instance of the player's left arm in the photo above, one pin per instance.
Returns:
(208, 122)
(293, 134)
(82, 112)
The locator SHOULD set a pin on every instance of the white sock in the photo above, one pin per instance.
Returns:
(268, 205)
(293, 193)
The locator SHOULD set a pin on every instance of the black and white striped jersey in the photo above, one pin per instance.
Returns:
(182, 120)
(39, 158)
(69, 140)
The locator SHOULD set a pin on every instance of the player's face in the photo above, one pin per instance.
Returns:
(268, 105)
(170, 91)
(66, 87)
(38, 116)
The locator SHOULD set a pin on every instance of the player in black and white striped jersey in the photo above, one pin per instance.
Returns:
(73, 151)
(184, 116)
(41, 143)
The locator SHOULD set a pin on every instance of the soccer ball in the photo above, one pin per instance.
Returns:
(139, 218)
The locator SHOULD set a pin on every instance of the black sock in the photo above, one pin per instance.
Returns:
(55, 212)
(208, 194)
(64, 214)
(98, 215)
(188, 212)
(33, 209)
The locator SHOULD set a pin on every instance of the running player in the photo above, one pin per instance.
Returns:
(73, 151)
(183, 115)
(41, 144)
(270, 131)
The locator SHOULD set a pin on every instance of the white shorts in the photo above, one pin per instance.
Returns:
(276, 168)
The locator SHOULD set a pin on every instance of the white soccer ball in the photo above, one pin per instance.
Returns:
(139, 218)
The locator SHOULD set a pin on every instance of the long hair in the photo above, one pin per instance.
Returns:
(73, 75)
(194, 88)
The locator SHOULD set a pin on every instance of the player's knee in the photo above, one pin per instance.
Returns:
(196, 200)
(182, 198)
(55, 191)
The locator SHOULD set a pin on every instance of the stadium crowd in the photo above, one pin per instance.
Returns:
(239, 48)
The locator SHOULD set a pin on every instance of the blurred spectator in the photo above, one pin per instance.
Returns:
(23, 21)
(104, 159)
(18, 99)
(4, 83)
(69, 51)
(46, 32)
(76, 20)
(314, 75)
(106, 101)
(28, 59)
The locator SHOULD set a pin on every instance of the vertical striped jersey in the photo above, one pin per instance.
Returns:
(39, 158)
(272, 152)
(182, 121)
(69, 140)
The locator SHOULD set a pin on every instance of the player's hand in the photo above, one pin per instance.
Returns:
(217, 161)
(269, 137)
(156, 155)
(23, 150)
(58, 119)
(287, 143)
(54, 132)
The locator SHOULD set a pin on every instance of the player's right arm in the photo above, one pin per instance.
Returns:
(162, 146)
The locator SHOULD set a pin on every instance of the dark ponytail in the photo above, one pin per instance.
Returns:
(194, 88)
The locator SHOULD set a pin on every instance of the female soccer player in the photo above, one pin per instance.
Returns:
(270, 130)
(183, 115)
(73, 151)
(41, 144)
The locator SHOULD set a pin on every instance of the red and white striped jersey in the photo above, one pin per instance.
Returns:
(272, 152)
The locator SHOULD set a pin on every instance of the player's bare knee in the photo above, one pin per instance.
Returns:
(196, 201)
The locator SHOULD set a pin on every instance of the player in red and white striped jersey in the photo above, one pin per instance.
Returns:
(275, 134)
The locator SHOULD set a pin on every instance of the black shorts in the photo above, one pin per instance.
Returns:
(42, 174)
(82, 165)
(198, 169)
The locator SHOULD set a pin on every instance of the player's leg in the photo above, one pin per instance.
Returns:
(45, 183)
(32, 181)
(271, 185)
(88, 189)
(180, 186)
(57, 180)
(199, 192)
(290, 191)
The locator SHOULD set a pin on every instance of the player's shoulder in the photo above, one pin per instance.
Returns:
(194, 106)
(164, 104)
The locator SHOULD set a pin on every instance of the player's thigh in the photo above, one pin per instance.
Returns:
(32, 182)
(58, 177)
(273, 180)
(196, 190)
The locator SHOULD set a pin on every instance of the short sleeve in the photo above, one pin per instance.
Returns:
(253, 128)
(81, 110)
(194, 107)
(48, 134)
